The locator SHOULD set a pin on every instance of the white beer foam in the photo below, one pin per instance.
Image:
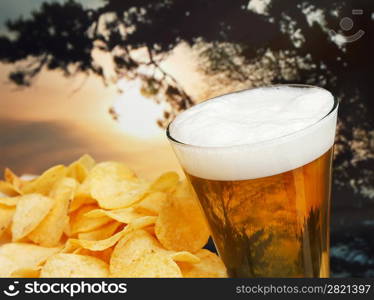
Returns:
(255, 133)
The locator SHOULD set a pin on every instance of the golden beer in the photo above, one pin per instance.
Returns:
(260, 163)
(276, 226)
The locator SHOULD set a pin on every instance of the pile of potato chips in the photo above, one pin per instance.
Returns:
(101, 220)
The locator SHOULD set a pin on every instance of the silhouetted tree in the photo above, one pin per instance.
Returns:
(290, 39)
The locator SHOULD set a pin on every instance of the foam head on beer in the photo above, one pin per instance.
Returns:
(255, 133)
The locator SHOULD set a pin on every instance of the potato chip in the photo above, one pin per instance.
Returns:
(48, 233)
(150, 229)
(142, 222)
(123, 215)
(9, 201)
(103, 255)
(6, 189)
(101, 233)
(80, 168)
(165, 183)
(185, 256)
(87, 219)
(118, 171)
(31, 209)
(81, 223)
(82, 196)
(78, 202)
(83, 193)
(6, 235)
(71, 246)
(67, 227)
(26, 273)
(6, 216)
(77, 171)
(130, 248)
(7, 267)
(44, 183)
(25, 255)
(114, 185)
(87, 161)
(210, 266)
(13, 179)
(111, 195)
(100, 245)
(109, 242)
(151, 265)
(74, 266)
(151, 204)
(181, 225)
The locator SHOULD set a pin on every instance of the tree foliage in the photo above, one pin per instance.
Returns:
(232, 40)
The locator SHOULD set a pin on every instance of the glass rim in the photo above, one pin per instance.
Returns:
(334, 108)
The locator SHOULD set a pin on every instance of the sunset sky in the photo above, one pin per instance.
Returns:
(57, 119)
(49, 123)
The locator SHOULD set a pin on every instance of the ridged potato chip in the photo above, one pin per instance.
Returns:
(123, 215)
(114, 185)
(185, 256)
(152, 265)
(48, 233)
(82, 196)
(103, 255)
(71, 246)
(100, 245)
(87, 161)
(6, 216)
(7, 189)
(116, 170)
(68, 265)
(81, 223)
(181, 225)
(67, 227)
(101, 233)
(101, 220)
(83, 193)
(79, 169)
(13, 179)
(44, 183)
(138, 244)
(26, 273)
(9, 201)
(165, 183)
(31, 209)
(8, 266)
(151, 204)
(109, 242)
(118, 195)
(24, 255)
(130, 248)
(6, 236)
(209, 266)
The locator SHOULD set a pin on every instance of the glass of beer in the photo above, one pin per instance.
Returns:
(259, 161)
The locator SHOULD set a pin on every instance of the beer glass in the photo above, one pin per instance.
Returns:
(267, 203)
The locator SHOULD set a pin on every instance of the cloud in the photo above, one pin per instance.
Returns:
(32, 146)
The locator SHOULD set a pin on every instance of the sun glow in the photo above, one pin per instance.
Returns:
(137, 115)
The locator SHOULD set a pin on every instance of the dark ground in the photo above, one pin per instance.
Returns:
(352, 230)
